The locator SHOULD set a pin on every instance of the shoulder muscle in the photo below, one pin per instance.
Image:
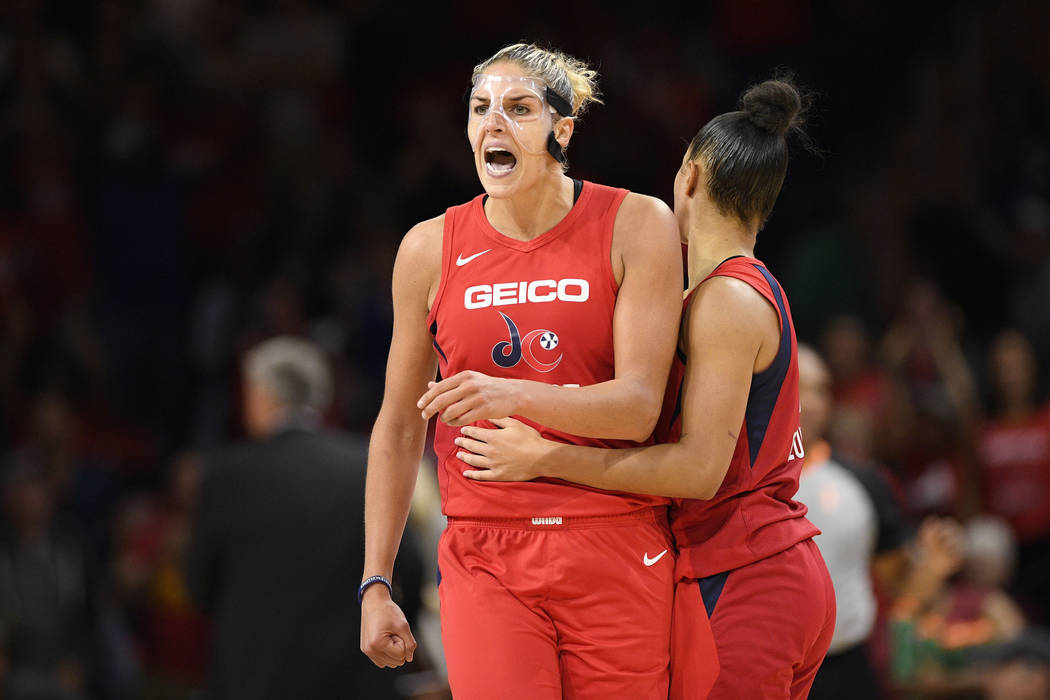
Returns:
(417, 269)
(646, 234)
(729, 315)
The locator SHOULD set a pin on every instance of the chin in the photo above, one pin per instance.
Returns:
(499, 187)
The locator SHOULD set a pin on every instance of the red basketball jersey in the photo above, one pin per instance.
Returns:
(752, 516)
(539, 310)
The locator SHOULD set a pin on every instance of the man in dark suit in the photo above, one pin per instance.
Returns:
(276, 552)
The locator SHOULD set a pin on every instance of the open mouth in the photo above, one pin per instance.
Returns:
(499, 161)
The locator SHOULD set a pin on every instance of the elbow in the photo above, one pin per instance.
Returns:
(701, 490)
(704, 475)
(641, 432)
(638, 431)
(644, 416)
(706, 490)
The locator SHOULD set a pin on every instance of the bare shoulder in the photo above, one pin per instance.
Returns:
(417, 269)
(420, 251)
(646, 234)
(423, 241)
(644, 216)
(729, 306)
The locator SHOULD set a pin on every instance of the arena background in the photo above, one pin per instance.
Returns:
(180, 179)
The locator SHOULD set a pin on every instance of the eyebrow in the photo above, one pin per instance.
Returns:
(519, 98)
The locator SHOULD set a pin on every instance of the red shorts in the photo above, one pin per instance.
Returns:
(580, 609)
(772, 623)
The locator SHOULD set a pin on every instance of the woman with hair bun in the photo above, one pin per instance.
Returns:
(557, 301)
(747, 564)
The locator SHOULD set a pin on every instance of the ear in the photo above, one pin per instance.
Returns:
(563, 129)
(691, 172)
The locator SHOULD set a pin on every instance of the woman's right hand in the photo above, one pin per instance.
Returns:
(386, 637)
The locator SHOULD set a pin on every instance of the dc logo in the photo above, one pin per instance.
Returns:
(508, 353)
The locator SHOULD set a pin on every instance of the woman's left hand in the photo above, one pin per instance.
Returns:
(512, 452)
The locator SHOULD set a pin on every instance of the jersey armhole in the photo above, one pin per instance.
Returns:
(609, 233)
(446, 263)
(771, 299)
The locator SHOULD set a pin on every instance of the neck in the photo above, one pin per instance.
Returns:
(534, 211)
(713, 238)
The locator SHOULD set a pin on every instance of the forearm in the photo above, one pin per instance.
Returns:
(393, 464)
(673, 469)
(920, 589)
(622, 409)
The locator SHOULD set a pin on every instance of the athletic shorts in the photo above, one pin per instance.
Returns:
(577, 608)
(772, 623)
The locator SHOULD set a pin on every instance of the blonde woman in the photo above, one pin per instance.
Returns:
(555, 301)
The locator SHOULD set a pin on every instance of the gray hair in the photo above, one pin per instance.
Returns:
(294, 370)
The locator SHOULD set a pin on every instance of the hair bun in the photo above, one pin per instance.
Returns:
(774, 106)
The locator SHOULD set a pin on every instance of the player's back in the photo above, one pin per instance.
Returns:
(753, 514)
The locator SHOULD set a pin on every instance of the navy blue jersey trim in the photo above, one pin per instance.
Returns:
(440, 351)
(711, 590)
(434, 332)
(677, 404)
(765, 386)
(577, 188)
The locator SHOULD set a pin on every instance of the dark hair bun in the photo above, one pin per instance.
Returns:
(774, 106)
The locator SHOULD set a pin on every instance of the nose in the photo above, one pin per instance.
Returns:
(494, 121)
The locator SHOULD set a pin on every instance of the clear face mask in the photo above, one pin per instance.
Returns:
(517, 105)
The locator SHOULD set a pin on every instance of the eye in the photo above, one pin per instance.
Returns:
(481, 109)
(520, 109)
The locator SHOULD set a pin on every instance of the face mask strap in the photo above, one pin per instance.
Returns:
(559, 103)
(564, 109)
(554, 148)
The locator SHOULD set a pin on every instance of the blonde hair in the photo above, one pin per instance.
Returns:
(570, 78)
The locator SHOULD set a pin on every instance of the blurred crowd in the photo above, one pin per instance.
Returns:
(181, 179)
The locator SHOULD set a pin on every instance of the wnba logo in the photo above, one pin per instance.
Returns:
(508, 353)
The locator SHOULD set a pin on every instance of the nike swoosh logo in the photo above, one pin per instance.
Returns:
(650, 562)
(461, 261)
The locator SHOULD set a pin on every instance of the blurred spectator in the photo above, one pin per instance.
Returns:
(277, 548)
(923, 349)
(46, 608)
(1014, 454)
(1018, 669)
(863, 392)
(149, 579)
(861, 527)
(953, 604)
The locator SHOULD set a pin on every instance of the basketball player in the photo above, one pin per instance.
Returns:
(557, 301)
(746, 553)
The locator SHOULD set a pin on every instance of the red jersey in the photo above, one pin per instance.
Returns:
(1015, 472)
(752, 516)
(539, 310)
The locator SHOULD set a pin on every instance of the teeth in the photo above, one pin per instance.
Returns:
(498, 169)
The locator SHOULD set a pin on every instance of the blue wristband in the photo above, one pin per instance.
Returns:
(370, 581)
